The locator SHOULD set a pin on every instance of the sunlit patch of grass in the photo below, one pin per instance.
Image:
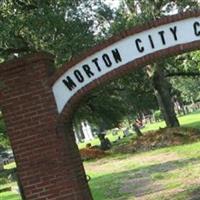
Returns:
(173, 184)
(9, 196)
(10, 165)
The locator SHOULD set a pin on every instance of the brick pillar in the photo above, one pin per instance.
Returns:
(47, 157)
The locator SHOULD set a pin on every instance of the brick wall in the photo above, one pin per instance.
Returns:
(47, 157)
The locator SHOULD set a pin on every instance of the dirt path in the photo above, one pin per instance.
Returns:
(143, 186)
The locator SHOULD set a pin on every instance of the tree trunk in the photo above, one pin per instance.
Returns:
(137, 130)
(162, 92)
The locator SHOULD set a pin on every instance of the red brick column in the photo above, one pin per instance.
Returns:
(47, 157)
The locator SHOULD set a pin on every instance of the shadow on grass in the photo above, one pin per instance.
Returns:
(5, 175)
(194, 194)
(191, 193)
(192, 125)
(134, 183)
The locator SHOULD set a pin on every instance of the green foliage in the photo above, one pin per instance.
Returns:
(158, 115)
(120, 99)
(187, 72)
(58, 27)
(189, 87)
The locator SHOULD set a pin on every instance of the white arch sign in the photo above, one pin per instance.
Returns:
(122, 52)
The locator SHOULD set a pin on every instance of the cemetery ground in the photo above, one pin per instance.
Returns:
(170, 173)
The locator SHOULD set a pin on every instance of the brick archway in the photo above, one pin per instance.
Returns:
(38, 118)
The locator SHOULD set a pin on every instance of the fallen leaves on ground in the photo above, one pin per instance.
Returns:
(92, 153)
(163, 137)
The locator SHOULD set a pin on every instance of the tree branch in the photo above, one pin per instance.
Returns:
(193, 74)
(14, 50)
(25, 5)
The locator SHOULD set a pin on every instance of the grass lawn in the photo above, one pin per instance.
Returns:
(9, 196)
(166, 174)
(4, 183)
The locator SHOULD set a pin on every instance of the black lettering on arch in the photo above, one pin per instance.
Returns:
(88, 71)
(107, 60)
(174, 32)
(196, 30)
(116, 55)
(161, 33)
(69, 83)
(95, 61)
(139, 48)
(151, 41)
(78, 76)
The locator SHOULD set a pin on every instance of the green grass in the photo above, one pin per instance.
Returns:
(9, 196)
(5, 182)
(190, 120)
(109, 175)
(171, 168)
(175, 170)
(10, 166)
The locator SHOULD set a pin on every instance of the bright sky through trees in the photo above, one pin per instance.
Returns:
(113, 3)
